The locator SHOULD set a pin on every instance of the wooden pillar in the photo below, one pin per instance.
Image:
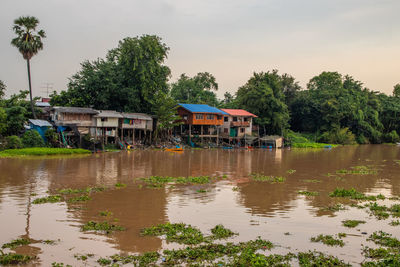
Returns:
(140, 135)
(201, 133)
(216, 128)
(122, 134)
(133, 136)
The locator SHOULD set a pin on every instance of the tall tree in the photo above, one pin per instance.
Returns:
(199, 89)
(2, 89)
(128, 79)
(263, 95)
(29, 43)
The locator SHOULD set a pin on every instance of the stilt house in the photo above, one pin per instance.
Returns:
(237, 123)
(200, 120)
(135, 126)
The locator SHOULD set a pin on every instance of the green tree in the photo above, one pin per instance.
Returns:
(164, 109)
(229, 101)
(29, 43)
(3, 121)
(32, 138)
(199, 89)
(128, 79)
(2, 89)
(263, 96)
(396, 90)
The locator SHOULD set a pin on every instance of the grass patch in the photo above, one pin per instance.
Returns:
(263, 178)
(41, 151)
(328, 240)
(308, 193)
(350, 193)
(48, 199)
(101, 227)
(16, 243)
(352, 223)
(313, 145)
(82, 198)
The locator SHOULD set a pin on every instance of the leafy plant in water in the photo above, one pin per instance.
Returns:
(352, 223)
(16, 243)
(318, 259)
(360, 170)
(120, 185)
(102, 226)
(82, 198)
(220, 232)
(105, 213)
(201, 191)
(384, 239)
(336, 207)
(14, 258)
(312, 181)
(308, 193)
(48, 199)
(290, 171)
(395, 223)
(328, 240)
(350, 193)
(263, 178)
(176, 232)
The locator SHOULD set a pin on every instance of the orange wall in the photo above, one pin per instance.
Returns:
(192, 118)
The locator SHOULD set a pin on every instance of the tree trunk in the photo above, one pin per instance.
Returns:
(30, 87)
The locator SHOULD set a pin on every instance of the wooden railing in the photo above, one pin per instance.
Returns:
(240, 123)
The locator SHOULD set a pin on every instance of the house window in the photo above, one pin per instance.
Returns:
(219, 117)
(225, 130)
(185, 117)
(225, 119)
(210, 117)
(246, 119)
(242, 130)
(234, 118)
(104, 119)
(199, 116)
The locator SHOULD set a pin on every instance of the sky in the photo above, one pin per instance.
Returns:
(231, 39)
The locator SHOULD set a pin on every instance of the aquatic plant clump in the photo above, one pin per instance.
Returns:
(176, 232)
(328, 240)
(350, 193)
(14, 258)
(82, 198)
(360, 170)
(384, 239)
(101, 227)
(352, 223)
(16, 243)
(160, 181)
(48, 199)
(308, 193)
(220, 232)
(319, 259)
(41, 151)
(263, 178)
(67, 191)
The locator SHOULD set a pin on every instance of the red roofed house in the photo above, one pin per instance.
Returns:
(237, 123)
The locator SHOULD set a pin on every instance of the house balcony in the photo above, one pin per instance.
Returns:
(240, 124)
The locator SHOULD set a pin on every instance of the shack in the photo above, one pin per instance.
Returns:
(274, 141)
(135, 127)
(200, 121)
(73, 122)
(41, 126)
(107, 122)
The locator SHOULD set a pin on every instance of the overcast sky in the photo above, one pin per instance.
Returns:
(228, 38)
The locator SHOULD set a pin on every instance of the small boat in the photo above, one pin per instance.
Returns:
(174, 149)
(227, 147)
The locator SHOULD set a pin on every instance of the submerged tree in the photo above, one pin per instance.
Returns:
(29, 43)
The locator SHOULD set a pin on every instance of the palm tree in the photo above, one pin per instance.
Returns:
(28, 42)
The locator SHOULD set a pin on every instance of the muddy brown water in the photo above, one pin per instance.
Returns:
(249, 208)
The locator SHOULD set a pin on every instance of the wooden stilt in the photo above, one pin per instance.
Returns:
(201, 133)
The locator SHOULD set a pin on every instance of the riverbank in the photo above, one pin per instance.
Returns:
(42, 151)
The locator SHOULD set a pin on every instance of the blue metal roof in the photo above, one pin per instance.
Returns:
(40, 123)
(202, 108)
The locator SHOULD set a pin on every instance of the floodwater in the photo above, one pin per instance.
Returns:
(247, 207)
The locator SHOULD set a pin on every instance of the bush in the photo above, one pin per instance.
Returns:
(32, 138)
(392, 137)
(13, 141)
(338, 136)
(51, 137)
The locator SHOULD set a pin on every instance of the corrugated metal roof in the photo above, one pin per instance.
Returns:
(202, 108)
(108, 114)
(76, 110)
(138, 116)
(238, 112)
(42, 104)
(40, 123)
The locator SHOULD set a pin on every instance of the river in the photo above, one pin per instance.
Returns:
(273, 211)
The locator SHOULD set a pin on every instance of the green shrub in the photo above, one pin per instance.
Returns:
(338, 136)
(51, 137)
(32, 138)
(13, 141)
(392, 137)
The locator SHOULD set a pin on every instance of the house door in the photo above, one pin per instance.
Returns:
(233, 132)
